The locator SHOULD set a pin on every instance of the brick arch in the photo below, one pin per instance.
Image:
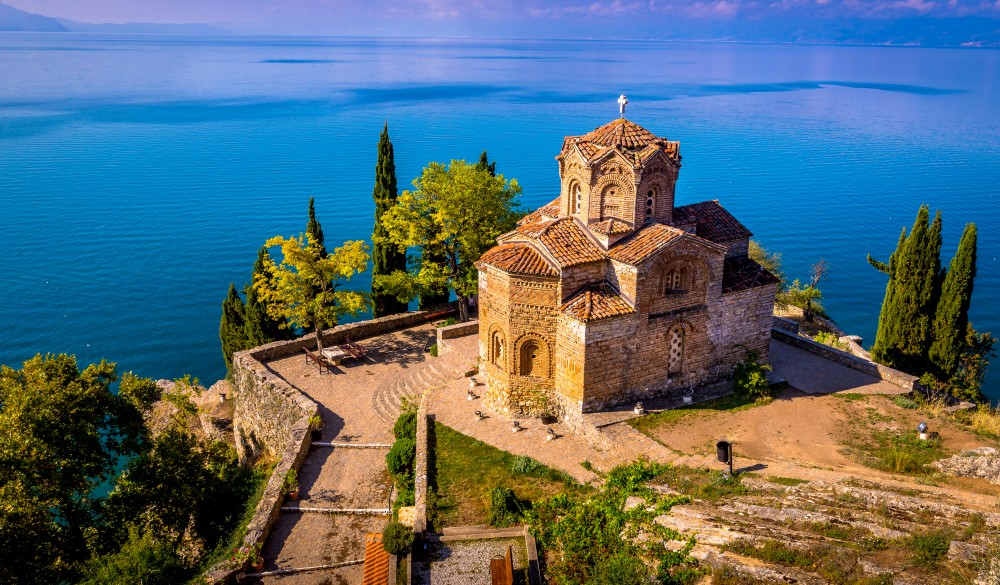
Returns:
(576, 176)
(623, 198)
(692, 267)
(533, 357)
(500, 358)
(677, 341)
(663, 208)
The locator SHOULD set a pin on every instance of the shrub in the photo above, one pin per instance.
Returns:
(504, 507)
(929, 548)
(434, 350)
(397, 538)
(406, 426)
(619, 569)
(750, 377)
(401, 458)
(291, 482)
(831, 340)
(140, 560)
(904, 402)
(524, 465)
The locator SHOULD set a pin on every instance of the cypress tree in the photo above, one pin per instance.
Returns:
(259, 326)
(952, 317)
(314, 230)
(231, 326)
(486, 165)
(386, 257)
(908, 308)
(888, 331)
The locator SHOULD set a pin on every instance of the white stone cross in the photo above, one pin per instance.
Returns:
(622, 100)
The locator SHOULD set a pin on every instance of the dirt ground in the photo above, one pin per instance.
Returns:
(813, 431)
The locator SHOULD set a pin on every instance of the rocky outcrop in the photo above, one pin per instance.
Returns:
(983, 462)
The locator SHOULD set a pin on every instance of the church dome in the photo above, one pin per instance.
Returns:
(625, 136)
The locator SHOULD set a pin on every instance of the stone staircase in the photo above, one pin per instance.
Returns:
(430, 374)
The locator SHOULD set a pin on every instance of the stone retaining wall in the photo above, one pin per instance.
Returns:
(270, 415)
(420, 469)
(454, 331)
(887, 374)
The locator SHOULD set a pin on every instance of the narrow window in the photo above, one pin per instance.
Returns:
(674, 280)
(530, 365)
(650, 202)
(578, 197)
(675, 357)
(497, 349)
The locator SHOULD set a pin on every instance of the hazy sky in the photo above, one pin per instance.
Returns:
(479, 17)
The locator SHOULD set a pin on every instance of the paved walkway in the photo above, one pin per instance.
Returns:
(812, 374)
(338, 478)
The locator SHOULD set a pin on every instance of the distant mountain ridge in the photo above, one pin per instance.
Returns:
(12, 19)
(16, 20)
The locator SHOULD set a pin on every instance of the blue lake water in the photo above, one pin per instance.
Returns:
(139, 174)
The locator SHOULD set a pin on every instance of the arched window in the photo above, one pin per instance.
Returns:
(531, 364)
(650, 203)
(577, 198)
(674, 280)
(496, 349)
(675, 355)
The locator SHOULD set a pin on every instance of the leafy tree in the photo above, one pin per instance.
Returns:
(429, 296)
(142, 559)
(306, 284)
(386, 258)
(771, 261)
(314, 231)
(232, 326)
(260, 326)
(454, 214)
(952, 315)
(397, 538)
(750, 376)
(62, 433)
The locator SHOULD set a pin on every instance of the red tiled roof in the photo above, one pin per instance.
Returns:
(711, 221)
(376, 570)
(518, 258)
(628, 137)
(611, 227)
(743, 273)
(596, 302)
(562, 238)
(550, 209)
(650, 239)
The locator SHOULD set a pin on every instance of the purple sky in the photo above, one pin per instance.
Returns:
(479, 17)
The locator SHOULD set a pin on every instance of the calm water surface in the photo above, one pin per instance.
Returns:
(139, 174)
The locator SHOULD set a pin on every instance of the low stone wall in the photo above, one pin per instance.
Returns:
(786, 324)
(887, 374)
(457, 330)
(420, 469)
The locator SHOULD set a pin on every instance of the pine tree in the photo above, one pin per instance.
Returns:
(386, 257)
(259, 326)
(231, 326)
(952, 316)
(315, 231)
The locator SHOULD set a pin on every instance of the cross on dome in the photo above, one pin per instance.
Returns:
(622, 101)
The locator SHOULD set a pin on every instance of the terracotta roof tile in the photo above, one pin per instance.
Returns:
(611, 227)
(518, 258)
(711, 221)
(568, 244)
(550, 210)
(628, 137)
(376, 570)
(743, 273)
(650, 239)
(596, 302)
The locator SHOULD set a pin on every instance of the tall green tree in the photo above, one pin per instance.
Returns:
(486, 165)
(306, 285)
(62, 433)
(454, 215)
(386, 258)
(314, 230)
(952, 316)
(260, 326)
(232, 326)
(915, 286)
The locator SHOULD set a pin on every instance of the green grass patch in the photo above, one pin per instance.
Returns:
(905, 403)
(702, 484)
(467, 470)
(852, 396)
(728, 403)
(789, 481)
(929, 548)
(897, 452)
(774, 552)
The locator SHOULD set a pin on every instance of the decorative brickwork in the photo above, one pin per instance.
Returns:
(609, 294)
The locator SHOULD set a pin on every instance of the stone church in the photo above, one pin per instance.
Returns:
(610, 294)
